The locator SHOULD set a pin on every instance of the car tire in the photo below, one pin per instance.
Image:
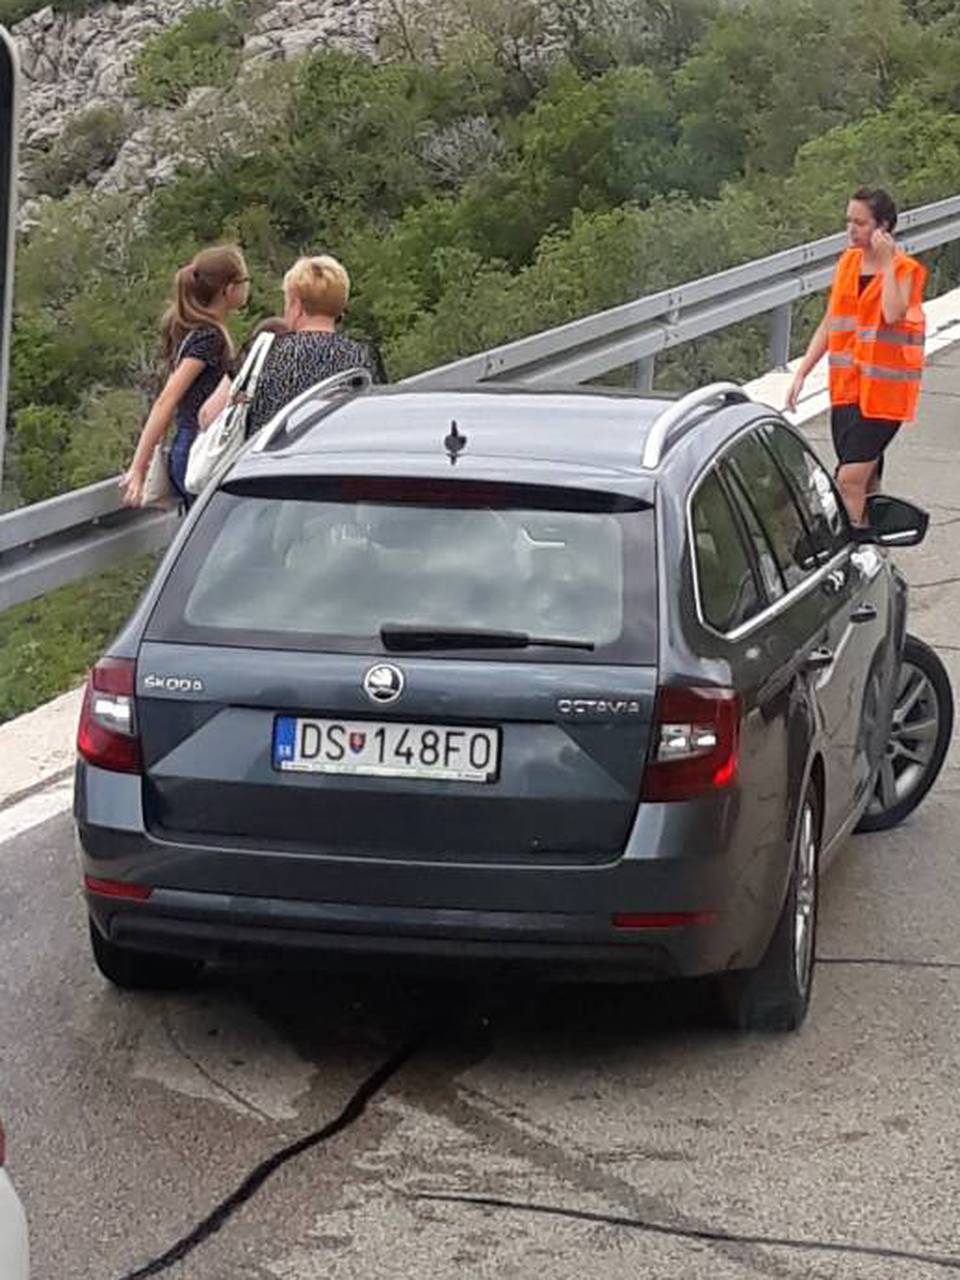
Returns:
(141, 970)
(911, 764)
(775, 996)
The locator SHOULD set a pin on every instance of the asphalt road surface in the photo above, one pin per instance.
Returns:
(442, 1130)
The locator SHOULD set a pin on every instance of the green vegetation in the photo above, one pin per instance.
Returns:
(480, 189)
(88, 145)
(47, 645)
(203, 48)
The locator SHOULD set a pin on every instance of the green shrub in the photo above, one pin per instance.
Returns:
(47, 645)
(14, 11)
(57, 449)
(103, 437)
(88, 145)
(201, 49)
(41, 436)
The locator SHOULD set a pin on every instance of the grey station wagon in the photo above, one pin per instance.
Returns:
(586, 682)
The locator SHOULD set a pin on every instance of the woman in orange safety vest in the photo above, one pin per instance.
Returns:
(874, 333)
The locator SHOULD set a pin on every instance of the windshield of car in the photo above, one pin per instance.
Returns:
(297, 572)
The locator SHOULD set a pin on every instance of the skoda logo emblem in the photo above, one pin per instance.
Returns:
(383, 683)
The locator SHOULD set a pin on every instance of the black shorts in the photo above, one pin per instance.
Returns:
(860, 439)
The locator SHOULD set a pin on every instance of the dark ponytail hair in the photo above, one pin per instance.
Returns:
(881, 205)
(195, 288)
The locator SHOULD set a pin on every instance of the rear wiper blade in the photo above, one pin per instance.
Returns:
(397, 637)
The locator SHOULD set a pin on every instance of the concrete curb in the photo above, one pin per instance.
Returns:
(37, 749)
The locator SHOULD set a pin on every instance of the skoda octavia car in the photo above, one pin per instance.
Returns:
(585, 682)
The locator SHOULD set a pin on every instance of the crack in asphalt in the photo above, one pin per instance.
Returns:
(685, 1233)
(251, 1184)
(208, 1075)
(940, 582)
(565, 1161)
(891, 963)
(941, 395)
(487, 1118)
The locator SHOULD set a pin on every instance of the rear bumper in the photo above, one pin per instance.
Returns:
(229, 928)
(265, 905)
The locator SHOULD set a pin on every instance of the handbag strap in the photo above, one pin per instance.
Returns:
(245, 384)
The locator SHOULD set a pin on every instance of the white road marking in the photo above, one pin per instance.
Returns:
(35, 809)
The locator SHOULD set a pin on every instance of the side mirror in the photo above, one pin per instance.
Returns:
(894, 522)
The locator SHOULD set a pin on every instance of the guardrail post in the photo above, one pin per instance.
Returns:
(643, 372)
(781, 327)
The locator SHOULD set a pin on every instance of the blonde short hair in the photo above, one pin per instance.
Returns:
(321, 284)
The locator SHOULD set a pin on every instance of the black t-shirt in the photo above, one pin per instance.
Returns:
(209, 346)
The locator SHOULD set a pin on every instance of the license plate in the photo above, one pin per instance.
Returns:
(386, 749)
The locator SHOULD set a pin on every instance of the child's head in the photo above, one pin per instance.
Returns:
(272, 324)
(211, 284)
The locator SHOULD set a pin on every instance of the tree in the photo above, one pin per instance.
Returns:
(771, 74)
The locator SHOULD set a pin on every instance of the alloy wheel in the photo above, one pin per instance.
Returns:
(912, 742)
(806, 898)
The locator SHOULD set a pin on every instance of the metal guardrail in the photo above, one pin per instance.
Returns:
(51, 543)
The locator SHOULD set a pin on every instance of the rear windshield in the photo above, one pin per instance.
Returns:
(308, 573)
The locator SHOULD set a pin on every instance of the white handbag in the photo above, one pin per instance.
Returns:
(225, 437)
(158, 490)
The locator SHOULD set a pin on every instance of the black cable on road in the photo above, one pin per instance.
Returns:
(692, 1233)
(252, 1183)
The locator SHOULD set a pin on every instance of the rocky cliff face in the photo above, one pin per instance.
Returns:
(71, 64)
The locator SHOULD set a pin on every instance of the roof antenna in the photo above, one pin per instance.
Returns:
(454, 443)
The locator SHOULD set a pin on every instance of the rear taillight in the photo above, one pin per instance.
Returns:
(695, 745)
(107, 736)
(662, 919)
(117, 889)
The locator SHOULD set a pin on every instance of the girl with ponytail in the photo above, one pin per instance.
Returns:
(198, 352)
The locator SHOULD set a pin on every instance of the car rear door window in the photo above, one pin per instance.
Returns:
(775, 508)
(729, 594)
(766, 561)
(815, 489)
(332, 569)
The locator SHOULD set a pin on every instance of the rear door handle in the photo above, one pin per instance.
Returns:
(864, 613)
(817, 659)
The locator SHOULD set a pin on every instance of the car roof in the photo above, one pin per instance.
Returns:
(596, 433)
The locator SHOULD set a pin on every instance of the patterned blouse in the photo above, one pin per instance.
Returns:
(299, 360)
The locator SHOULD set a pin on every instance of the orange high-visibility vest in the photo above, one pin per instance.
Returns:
(872, 363)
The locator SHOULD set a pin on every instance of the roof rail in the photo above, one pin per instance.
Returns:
(347, 380)
(681, 409)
